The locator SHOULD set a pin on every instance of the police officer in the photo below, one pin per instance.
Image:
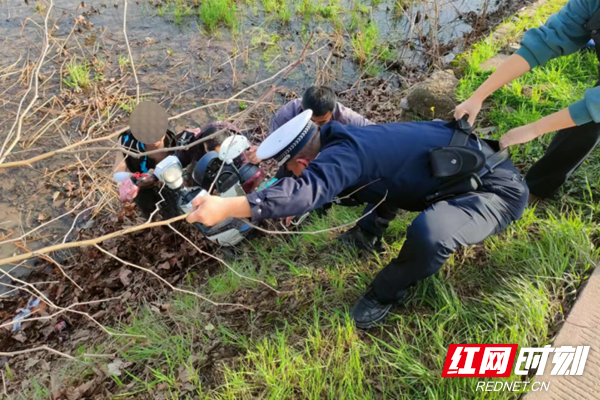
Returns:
(390, 162)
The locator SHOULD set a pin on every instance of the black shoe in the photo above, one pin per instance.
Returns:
(361, 239)
(323, 210)
(368, 310)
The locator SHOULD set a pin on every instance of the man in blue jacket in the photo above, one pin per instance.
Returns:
(391, 163)
(564, 33)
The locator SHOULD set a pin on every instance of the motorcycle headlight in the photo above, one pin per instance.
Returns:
(170, 172)
(173, 176)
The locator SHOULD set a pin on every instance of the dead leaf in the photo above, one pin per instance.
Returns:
(45, 365)
(124, 276)
(80, 391)
(184, 375)
(114, 368)
(80, 334)
(209, 327)
(31, 362)
(164, 265)
(55, 196)
(20, 337)
(99, 314)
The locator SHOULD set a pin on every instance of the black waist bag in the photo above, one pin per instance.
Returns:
(457, 165)
(454, 161)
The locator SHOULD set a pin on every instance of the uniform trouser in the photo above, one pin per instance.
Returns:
(566, 153)
(449, 224)
(378, 220)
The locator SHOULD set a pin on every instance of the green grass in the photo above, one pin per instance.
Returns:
(78, 75)
(370, 51)
(301, 344)
(176, 10)
(218, 12)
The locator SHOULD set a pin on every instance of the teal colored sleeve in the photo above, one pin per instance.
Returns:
(587, 109)
(564, 33)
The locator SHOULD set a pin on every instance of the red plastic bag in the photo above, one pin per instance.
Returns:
(127, 191)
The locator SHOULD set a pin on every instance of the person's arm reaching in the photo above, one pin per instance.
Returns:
(563, 34)
(210, 210)
(523, 134)
(324, 178)
(512, 68)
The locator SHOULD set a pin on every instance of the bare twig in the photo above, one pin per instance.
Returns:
(75, 221)
(37, 293)
(45, 224)
(59, 312)
(70, 149)
(223, 262)
(163, 280)
(60, 267)
(88, 242)
(335, 228)
(137, 83)
(33, 80)
(5, 393)
(33, 350)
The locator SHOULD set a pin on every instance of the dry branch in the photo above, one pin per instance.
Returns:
(23, 236)
(163, 280)
(137, 83)
(224, 263)
(41, 348)
(69, 149)
(88, 242)
(34, 78)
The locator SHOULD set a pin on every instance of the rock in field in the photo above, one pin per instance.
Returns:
(434, 98)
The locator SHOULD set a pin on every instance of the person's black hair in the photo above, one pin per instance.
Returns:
(214, 142)
(319, 99)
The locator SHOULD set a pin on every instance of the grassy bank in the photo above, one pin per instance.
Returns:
(301, 344)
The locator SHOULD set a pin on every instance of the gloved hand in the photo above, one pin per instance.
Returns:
(361, 239)
(127, 191)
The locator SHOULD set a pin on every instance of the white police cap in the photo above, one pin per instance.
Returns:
(289, 139)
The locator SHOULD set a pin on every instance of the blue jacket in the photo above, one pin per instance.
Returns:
(391, 157)
(563, 34)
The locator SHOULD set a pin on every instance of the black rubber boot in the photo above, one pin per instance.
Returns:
(361, 239)
(368, 311)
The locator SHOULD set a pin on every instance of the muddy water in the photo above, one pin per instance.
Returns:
(178, 64)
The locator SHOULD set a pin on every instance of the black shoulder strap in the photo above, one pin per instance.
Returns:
(594, 22)
(593, 26)
(462, 132)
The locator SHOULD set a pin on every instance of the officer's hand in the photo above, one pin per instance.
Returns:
(251, 155)
(522, 134)
(208, 210)
(470, 107)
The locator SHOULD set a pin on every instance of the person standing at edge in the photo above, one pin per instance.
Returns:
(579, 125)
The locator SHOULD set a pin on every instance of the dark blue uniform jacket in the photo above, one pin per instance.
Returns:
(391, 157)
